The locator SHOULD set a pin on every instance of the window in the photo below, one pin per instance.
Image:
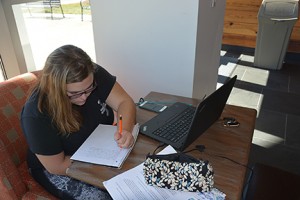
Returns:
(41, 32)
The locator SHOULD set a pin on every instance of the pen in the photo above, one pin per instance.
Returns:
(120, 124)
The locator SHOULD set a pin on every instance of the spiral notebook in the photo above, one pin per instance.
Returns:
(101, 148)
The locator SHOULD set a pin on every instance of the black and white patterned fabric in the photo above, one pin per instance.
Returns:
(73, 189)
(179, 172)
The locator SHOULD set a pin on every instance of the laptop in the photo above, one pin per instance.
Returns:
(181, 124)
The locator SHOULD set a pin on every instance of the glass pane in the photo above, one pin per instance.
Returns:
(3, 75)
(42, 31)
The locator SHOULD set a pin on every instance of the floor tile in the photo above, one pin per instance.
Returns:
(281, 102)
(278, 81)
(239, 71)
(245, 63)
(251, 87)
(256, 76)
(280, 156)
(263, 144)
(245, 94)
(294, 78)
(294, 85)
(270, 126)
(244, 98)
(227, 66)
(293, 130)
(247, 58)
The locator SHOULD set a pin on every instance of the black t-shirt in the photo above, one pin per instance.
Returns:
(43, 137)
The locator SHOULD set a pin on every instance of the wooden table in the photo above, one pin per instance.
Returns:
(230, 142)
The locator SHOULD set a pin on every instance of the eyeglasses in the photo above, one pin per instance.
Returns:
(87, 91)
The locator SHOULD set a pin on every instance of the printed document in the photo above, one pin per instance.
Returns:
(101, 148)
(131, 185)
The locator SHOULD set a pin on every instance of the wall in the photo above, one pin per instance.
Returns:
(6, 47)
(151, 45)
(241, 25)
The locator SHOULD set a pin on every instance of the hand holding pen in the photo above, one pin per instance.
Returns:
(120, 125)
(123, 137)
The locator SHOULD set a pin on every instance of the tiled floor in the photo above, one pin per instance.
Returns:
(275, 94)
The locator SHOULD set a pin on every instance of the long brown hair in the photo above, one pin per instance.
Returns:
(67, 64)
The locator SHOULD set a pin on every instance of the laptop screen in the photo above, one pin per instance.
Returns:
(207, 112)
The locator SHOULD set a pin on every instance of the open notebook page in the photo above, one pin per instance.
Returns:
(101, 148)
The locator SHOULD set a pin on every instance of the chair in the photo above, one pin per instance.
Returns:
(15, 180)
(46, 4)
(269, 183)
(53, 4)
(84, 5)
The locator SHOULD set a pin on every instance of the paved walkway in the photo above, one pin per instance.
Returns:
(69, 1)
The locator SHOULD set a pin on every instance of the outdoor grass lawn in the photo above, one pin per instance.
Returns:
(67, 8)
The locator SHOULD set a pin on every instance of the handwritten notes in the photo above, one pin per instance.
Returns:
(101, 148)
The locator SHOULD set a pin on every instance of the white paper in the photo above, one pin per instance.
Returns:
(131, 185)
(101, 148)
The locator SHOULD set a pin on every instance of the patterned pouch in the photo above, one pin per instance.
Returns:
(178, 171)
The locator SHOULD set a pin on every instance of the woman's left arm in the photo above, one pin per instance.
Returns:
(123, 104)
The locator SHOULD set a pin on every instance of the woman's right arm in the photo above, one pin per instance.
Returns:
(55, 164)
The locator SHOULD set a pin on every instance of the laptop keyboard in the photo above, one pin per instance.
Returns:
(177, 127)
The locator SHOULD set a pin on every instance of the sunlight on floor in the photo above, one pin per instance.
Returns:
(269, 141)
(257, 76)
